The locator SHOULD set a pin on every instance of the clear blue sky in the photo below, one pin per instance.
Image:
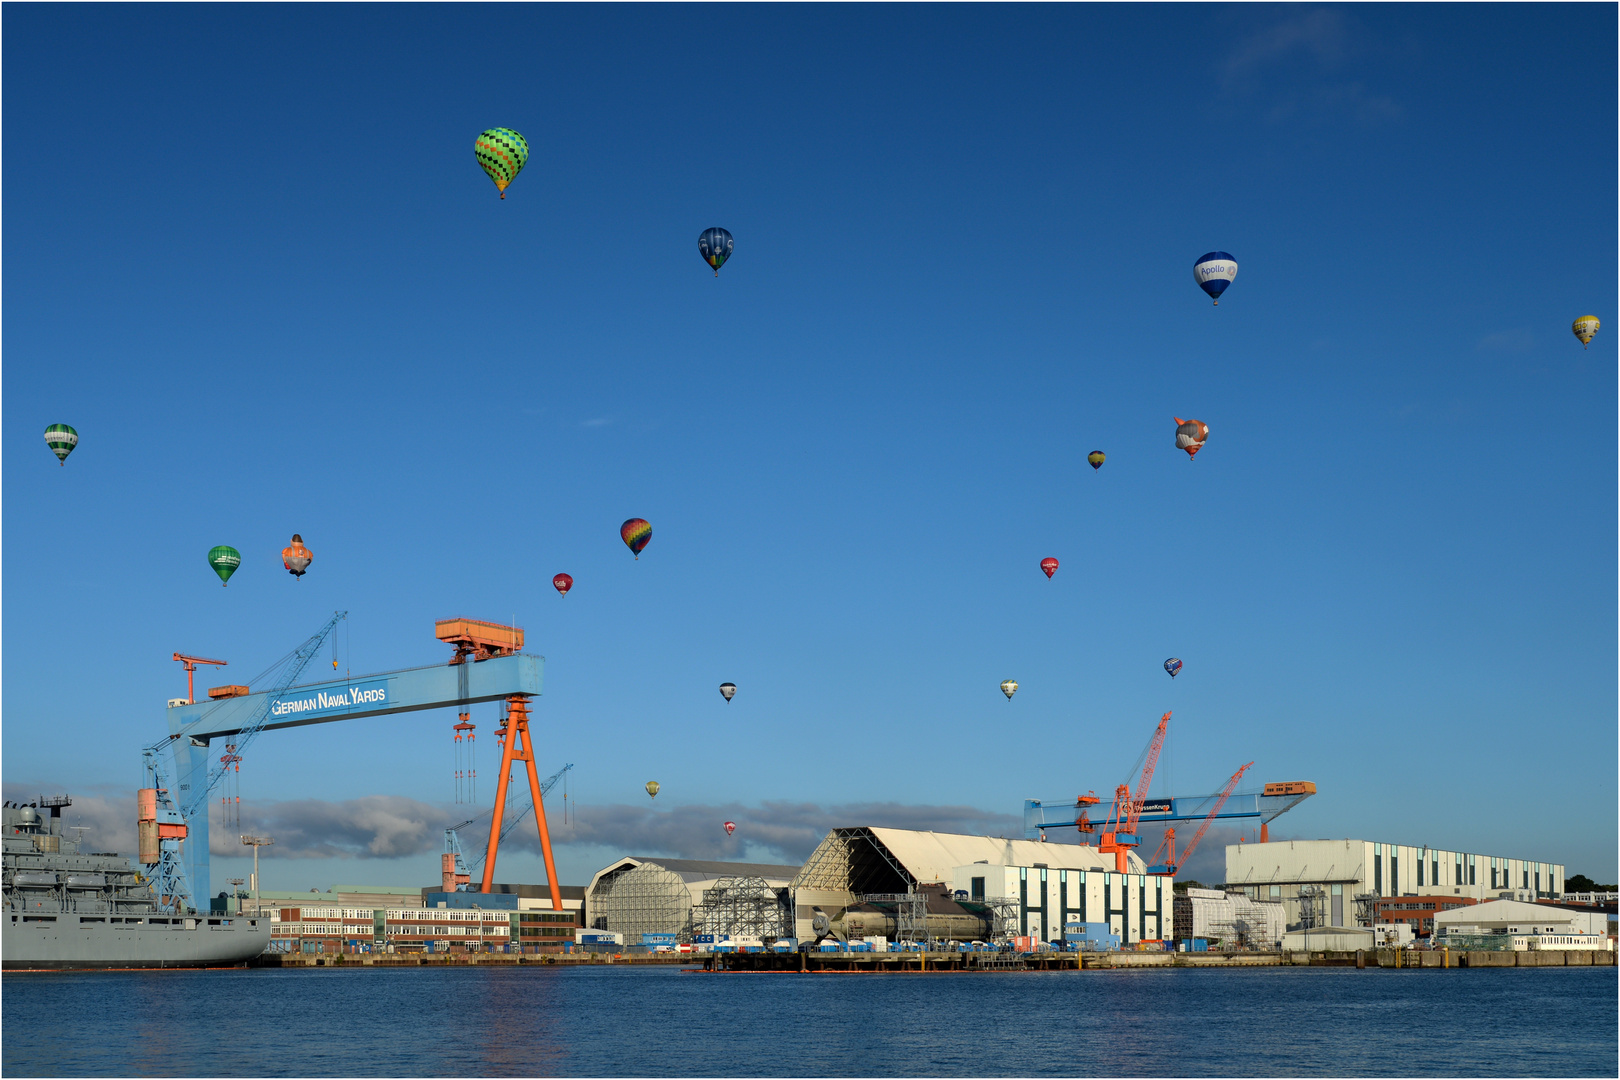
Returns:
(249, 255)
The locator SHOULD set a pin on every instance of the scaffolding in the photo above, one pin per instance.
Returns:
(645, 899)
(742, 907)
(1313, 907)
(910, 912)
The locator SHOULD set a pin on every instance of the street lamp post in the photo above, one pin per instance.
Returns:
(256, 842)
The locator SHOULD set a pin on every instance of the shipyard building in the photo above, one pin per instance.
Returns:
(1340, 882)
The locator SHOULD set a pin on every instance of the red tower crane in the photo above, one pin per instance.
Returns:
(190, 664)
(1168, 844)
(1119, 834)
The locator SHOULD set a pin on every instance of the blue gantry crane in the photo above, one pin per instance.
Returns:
(174, 807)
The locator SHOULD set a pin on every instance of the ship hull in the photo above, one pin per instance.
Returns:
(42, 943)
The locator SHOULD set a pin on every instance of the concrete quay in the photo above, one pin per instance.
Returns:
(352, 960)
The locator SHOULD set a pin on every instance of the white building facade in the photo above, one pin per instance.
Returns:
(1137, 907)
(1346, 869)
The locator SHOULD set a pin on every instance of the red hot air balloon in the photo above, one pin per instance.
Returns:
(1049, 566)
(562, 583)
(731, 827)
(635, 533)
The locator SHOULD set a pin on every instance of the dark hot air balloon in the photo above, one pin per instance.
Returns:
(728, 690)
(562, 583)
(1049, 566)
(715, 246)
(1172, 665)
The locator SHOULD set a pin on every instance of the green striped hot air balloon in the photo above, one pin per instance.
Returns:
(61, 439)
(502, 153)
(224, 560)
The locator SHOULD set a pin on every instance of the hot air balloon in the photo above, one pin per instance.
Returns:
(296, 557)
(224, 560)
(502, 153)
(731, 827)
(1190, 436)
(1585, 328)
(728, 690)
(562, 583)
(1214, 271)
(1096, 457)
(62, 439)
(715, 246)
(1172, 665)
(635, 533)
(652, 789)
(1049, 566)
(1009, 687)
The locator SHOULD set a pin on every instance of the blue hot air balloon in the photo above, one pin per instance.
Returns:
(715, 246)
(1214, 272)
(1172, 665)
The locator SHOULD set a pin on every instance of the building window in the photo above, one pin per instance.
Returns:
(1276, 892)
(1420, 873)
(1378, 873)
(1434, 871)
(978, 889)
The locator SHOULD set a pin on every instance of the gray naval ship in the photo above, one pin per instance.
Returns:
(65, 908)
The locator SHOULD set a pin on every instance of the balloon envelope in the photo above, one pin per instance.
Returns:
(652, 789)
(1214, 271)
(562, 583)
(62, 439)
(1049, 566)
(715, 246)
(296, 557)
(728, 690)
(224, 560)
(1190, 435)
(1096, 457)
(731, 827)
(1009, 687)
(1585, 328)
(1172, 665)
(501, 153)
(635, 533)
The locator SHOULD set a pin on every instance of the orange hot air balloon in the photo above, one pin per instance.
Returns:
(1049, 566)
(1190, 435)
(296, 557)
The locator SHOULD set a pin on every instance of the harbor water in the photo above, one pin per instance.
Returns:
(606, 1021)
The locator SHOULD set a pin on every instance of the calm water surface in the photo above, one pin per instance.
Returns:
(662, 1022)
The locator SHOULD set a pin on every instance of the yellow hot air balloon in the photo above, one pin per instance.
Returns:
(652, 789)
(1586, 328)
(1009, 687)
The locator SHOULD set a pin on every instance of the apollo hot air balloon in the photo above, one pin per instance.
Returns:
(562, 583)
(1173, 666)
(62, 439)
(652, 789)
(635, 533)
(1096, 457)
(715, 246)
(1009, 687)
(296, 557)
(1214, 271)
(1585, 328)
(728, 690)
(224, 560)
(1049, 567)
(502, 153)
(730, 827)
(1190, 436)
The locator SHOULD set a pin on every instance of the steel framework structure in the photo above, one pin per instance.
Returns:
(645, 899)
(742, 907)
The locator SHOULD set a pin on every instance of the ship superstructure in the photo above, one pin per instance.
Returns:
(68, 908)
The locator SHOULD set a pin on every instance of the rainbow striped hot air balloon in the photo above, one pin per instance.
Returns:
(502, 153)
(635, 533)
(62, 439)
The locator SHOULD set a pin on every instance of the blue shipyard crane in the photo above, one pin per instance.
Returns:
(457, 874)
(486, 667)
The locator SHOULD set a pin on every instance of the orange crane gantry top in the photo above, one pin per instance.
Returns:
(1119, 834)
(190, 664)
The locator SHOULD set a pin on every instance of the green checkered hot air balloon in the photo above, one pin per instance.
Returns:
(502, 153)
(224, 560)
(61, 439)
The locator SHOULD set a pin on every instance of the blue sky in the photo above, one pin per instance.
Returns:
(250, 257)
